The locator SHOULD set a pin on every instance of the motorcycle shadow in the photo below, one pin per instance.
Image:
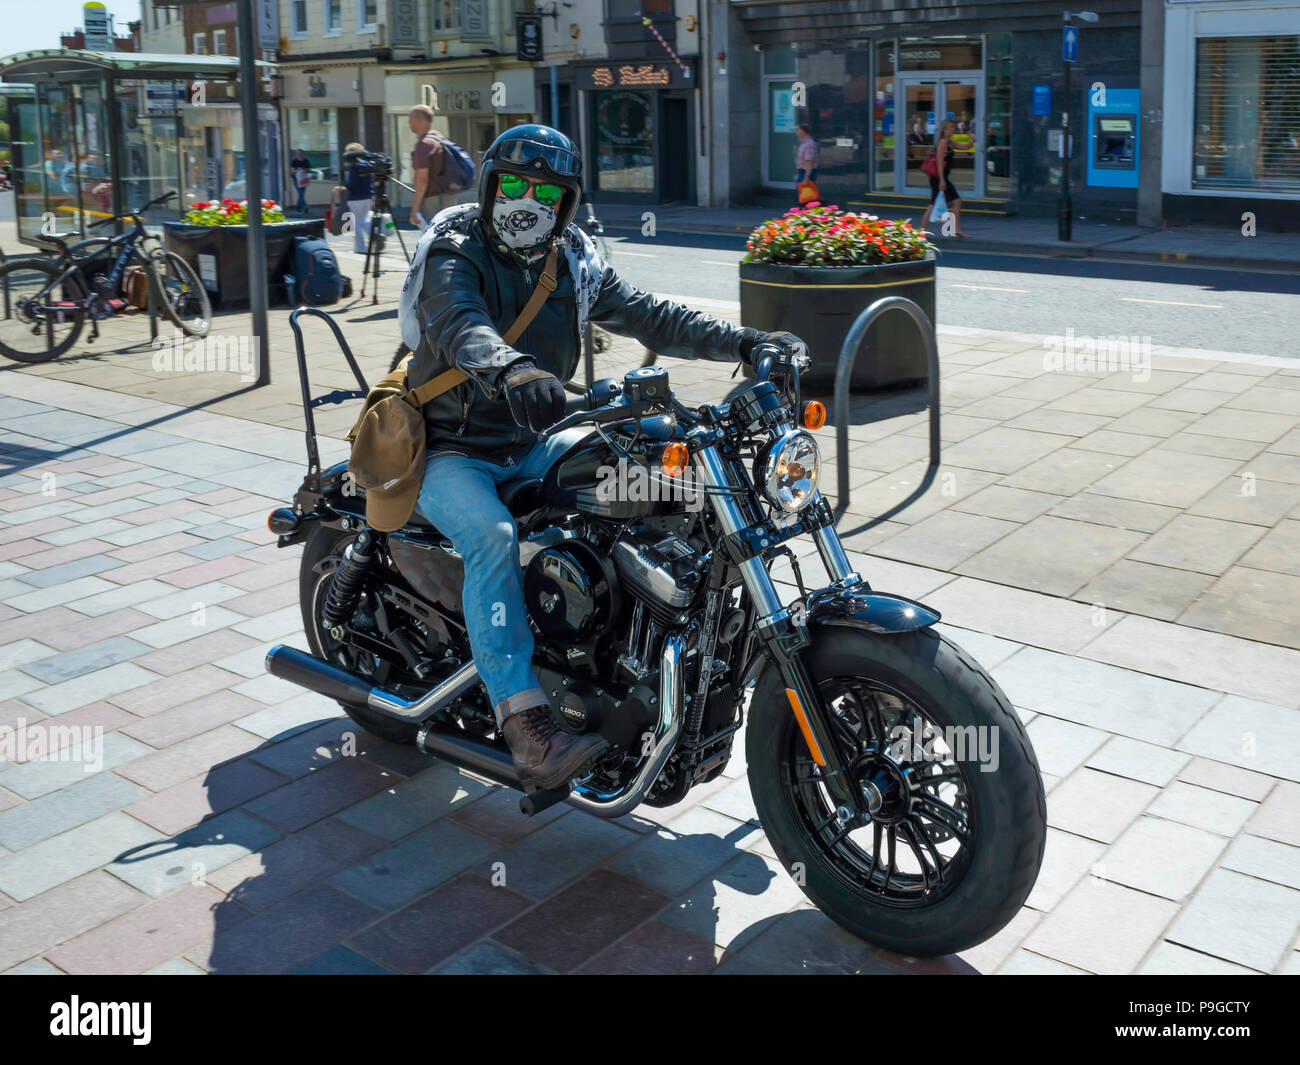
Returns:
(283, 811)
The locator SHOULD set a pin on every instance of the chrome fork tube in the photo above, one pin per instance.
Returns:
(832, 552)
(713, 472)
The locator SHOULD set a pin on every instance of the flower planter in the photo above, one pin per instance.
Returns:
(819, 304)
(226, 276)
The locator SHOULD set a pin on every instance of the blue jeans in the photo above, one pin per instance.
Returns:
(459, 495)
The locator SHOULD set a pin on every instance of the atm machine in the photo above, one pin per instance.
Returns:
(1113, 139)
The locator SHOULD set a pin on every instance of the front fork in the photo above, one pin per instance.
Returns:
(783, 629)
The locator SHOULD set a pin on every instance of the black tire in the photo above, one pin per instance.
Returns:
(27, 276)
(181, 295)
(320, 545)
(1007, 808)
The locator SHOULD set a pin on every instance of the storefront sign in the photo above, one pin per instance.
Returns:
(404, 20)
(268, 24)
(447, 100)
(528, 38)
(955, 55)
(635, 75)
(163, 97)
(223, 13)
(473, 20)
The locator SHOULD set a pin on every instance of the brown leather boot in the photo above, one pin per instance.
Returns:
(546, 757)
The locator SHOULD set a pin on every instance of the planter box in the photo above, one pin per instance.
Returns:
(225, 276)
(819, 304)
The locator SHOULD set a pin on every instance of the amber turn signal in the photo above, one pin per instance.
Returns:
(675, 459)
(814, 414)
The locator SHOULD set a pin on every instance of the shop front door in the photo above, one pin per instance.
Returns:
(929, 100)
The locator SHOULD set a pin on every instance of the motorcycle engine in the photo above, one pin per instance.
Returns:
(570, 592)
(661, 570)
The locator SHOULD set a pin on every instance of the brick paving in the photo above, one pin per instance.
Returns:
(1120, 553)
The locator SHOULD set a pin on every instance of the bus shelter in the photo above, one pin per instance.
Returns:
(100, 133)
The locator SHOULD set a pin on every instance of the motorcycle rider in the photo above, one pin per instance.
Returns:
(473, 272)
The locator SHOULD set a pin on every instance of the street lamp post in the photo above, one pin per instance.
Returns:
(248, 97)
(1065, 209)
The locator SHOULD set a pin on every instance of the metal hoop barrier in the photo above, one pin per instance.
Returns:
(843, 375)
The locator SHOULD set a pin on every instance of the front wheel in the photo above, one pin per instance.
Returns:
(957, 819)
(180, 293)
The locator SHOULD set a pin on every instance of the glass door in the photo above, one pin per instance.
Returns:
(917, 116)
(926, 103)
(962, 102)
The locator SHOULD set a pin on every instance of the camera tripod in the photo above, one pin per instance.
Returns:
(380, 208)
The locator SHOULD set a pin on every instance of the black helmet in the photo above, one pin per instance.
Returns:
(539, 152)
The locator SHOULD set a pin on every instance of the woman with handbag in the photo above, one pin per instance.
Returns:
(937, 162)
(806, 158)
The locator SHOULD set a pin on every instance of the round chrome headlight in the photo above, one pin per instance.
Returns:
(790, 472)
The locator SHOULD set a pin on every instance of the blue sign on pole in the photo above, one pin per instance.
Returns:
(1070, 44)
(1042, 99)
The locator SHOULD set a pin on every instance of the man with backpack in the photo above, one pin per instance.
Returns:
(441, 168)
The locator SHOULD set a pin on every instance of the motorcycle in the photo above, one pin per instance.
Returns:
(891, 774)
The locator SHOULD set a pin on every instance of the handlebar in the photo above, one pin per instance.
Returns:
(138, 212)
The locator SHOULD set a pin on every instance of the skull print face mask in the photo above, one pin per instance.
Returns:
(522, 223)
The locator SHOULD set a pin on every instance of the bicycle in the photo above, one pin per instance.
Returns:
(40, 298)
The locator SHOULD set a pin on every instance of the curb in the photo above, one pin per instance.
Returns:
(1053, 250)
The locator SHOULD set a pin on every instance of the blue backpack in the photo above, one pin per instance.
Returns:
(458, 168)
(317, 279)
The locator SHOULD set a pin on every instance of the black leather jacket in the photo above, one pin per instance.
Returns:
(475, 287)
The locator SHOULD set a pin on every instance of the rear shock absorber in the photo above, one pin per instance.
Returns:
(345, 585)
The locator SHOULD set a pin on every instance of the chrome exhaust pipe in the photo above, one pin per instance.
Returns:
(666, 733)
(314, 674)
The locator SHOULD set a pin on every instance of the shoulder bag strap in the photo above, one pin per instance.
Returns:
(449, 379)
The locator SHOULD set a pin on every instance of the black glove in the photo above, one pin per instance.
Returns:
(785, 348)
(750, 338)
(536, 397)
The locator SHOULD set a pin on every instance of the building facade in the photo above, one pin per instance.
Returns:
(1231, 112)
(876, 79)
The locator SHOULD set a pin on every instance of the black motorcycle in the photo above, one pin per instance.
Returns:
(890, 772)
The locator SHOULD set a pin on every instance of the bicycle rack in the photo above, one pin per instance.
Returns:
(843, 375)
(338, 395)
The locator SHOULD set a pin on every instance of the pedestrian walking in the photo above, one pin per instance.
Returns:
(806, 158)
(939, 173)
(300, 168)
(428, 165)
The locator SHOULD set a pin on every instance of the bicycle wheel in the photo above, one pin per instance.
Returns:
(181, 294)
(40, 316)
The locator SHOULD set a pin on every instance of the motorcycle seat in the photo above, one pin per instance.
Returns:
(520, 497)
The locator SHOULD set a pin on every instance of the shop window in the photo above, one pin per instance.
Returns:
(885, 133)
(997, 132)
(1247, 114)
(779, 59)
(446, 15)
(625, 141)
(299, 17)
(333, 18)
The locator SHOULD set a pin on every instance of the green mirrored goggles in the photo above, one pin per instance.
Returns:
(513, 186)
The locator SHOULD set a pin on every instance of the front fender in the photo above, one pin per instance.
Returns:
(858, 606)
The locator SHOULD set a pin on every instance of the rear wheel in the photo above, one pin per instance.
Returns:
(957, 819)
(180, 293)
(40, 316)
(323, 545)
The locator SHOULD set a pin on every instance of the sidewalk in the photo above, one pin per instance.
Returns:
(1203, 245)
(1118, 550)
